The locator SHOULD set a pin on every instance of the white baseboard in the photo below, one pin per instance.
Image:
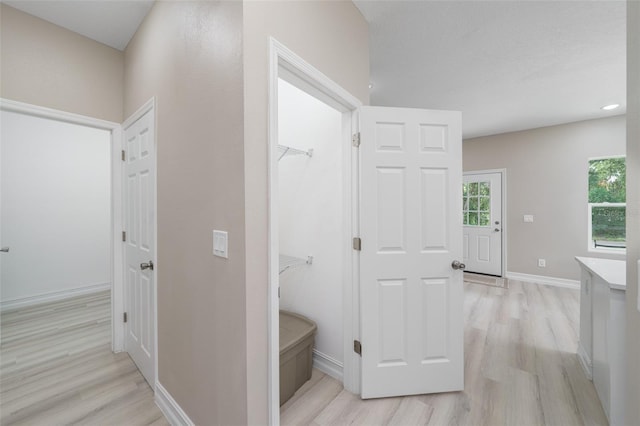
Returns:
(7, 305)
(170, 408)
(539, 279)
(585, 361)
(328, 365)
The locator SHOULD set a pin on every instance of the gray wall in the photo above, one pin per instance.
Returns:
(547, 172)
(189, 56)
(46, 65)
(633, 211)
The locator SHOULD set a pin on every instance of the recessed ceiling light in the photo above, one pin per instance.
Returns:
(610, 107)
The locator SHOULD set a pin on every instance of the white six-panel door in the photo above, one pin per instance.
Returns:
(411, 230)
(482, 220)
(140, 216)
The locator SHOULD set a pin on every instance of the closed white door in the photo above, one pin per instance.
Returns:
(140, 253)
(482, 219)
(411, 231)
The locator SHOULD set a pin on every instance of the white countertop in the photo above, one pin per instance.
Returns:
(611, 271)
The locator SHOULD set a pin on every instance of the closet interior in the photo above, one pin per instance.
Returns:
(310, 210)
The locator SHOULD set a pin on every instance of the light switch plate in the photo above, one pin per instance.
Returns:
(528, 218)
(221, 244)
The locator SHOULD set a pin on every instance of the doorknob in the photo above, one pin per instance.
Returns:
(496, 230)
(458, 265)
(4, 250)
(149, 265)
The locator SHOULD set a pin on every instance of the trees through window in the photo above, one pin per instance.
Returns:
(607, 203)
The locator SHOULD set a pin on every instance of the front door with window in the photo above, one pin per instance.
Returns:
(482, 219)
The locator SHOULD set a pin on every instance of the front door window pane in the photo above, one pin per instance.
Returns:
(476, 203)
(484, 219)
(484, 204)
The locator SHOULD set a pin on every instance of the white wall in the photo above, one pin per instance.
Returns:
(311, 212)
(55, 206)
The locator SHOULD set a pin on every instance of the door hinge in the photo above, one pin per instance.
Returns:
(357, 347)
(278, 292)
(124, 317)
(355, 139)
(123, 155)
(357, 243)
(124, 236)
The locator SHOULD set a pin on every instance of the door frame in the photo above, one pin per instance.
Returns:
(117, 252)
(503, 201)
(150, 105)
(285, 64)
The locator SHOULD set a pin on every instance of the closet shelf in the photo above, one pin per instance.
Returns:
(284, 150)
(287, 262)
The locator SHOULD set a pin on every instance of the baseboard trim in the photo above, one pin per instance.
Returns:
(170, 408)
(328, 365)
(8, 305)
(540, 279)
(585, 361)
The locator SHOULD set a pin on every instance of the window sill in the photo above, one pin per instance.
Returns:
(611, 251)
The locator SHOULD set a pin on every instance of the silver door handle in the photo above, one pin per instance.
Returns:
(496, 230)
(458, 265)
(4, 250)
(149, 265)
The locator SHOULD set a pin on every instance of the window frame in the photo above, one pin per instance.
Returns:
(591, 248)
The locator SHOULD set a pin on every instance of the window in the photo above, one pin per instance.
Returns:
(607, 204)
(476, 202)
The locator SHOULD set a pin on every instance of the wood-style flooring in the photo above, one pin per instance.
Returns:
(57, 368)
(521, 369)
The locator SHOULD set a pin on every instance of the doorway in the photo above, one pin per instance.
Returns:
(288, 67)
(310, 197)
(483, 219)
(403, 222)
(103, 240)
(137, 200)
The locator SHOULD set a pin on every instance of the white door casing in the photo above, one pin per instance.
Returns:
(140, 217)
(482, 223)
(411, 229)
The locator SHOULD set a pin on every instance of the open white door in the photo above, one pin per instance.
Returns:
(140, 206)
(411, 229)
(482, 220)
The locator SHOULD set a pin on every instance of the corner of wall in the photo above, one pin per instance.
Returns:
(633, 212)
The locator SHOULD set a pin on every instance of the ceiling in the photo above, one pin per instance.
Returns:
(507, 65)
(111, 22)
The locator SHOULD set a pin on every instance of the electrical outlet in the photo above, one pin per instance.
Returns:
(527, 218)
(542, 263)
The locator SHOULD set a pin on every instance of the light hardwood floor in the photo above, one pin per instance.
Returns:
(57, 368)
(521, 369)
